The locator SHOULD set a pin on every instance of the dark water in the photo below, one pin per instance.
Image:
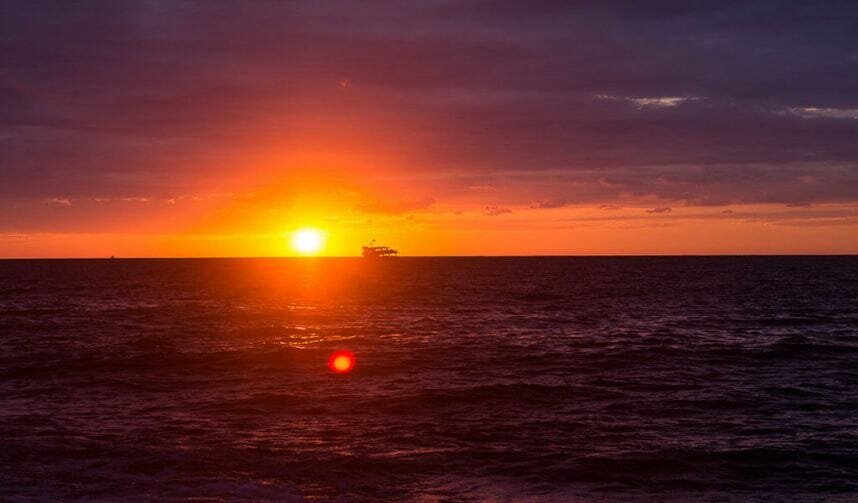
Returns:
(560, 379)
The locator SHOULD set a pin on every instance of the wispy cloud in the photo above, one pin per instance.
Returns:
(660, 209)
(122, 199)
(550, 203)
(824, 113)
(394, 207)
(60, 201)
(493, 211)
(652, 101)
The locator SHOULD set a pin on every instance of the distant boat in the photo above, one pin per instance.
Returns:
(372, 251)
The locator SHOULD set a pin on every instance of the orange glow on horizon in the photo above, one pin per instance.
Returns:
(763, 229)
(341, 362)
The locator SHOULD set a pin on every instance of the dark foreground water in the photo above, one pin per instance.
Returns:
(536, 379)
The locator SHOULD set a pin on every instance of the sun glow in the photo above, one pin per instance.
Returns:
(308, 241)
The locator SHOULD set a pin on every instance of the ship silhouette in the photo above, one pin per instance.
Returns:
(372, 251)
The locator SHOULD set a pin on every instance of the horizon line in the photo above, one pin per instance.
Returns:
(604, 255)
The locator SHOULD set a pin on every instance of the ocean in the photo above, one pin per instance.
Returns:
(476, 379)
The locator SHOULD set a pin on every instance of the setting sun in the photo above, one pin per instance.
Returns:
(308, 241)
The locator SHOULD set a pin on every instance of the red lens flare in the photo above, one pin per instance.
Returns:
(341, 362)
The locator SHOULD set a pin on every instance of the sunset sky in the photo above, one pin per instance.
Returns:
(167, 128)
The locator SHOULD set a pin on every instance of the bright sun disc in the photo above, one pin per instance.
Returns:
(341, 361)
(308, 241)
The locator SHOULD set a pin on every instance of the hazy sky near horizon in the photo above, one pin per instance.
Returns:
(207, 128)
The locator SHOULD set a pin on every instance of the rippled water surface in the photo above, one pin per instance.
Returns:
(541, 379)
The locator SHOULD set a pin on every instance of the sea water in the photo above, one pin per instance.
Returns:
(477, 379)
